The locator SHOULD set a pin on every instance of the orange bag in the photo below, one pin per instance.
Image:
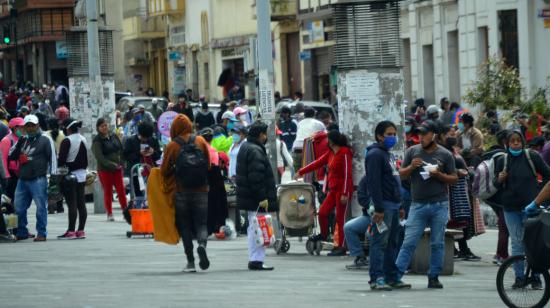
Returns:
(160, 198)
(142, 221)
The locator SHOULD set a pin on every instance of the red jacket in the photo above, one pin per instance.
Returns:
(320, 147)
(340, 175)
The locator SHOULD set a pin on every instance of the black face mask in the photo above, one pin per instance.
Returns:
(451, 142)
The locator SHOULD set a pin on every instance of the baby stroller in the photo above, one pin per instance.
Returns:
(137, 213)
(296, 215)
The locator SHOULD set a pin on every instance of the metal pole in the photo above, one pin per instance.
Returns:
(17, 71)
(265, 61)
(94, 72)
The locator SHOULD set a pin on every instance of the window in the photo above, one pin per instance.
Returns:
(508, 26)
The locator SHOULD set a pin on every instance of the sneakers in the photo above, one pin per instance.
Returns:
(468, 256)
(536, 283)
(39, 239)
(433, 283)
(190, 268)
(359, 263)
(22, 238)
(337, 252)
(7, 238)
(400, 285)
(259, 266)
(380, 285)
(69, 235)
(110, 217)
(204, 264)
(498, 260)
(520, 283)
(80, 235)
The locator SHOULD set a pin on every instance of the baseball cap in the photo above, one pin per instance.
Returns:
(130, 104)
(31, 118)
(140, 106)
(432, 109)
(16, 122)
(428, 126)
(229, 115)
(238, 111)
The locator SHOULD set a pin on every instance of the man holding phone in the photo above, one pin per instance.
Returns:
(35, 153)
(431, 168)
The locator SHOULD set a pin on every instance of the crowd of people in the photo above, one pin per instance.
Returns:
(433, 185)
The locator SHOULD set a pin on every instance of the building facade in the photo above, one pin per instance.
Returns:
(445, 41)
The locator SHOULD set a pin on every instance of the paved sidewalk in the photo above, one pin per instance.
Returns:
(109, 270)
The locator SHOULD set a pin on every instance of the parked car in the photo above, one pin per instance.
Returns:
(146, 101)
(121, 94)
(318, 106)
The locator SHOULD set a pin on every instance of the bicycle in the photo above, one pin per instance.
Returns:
(532, 289)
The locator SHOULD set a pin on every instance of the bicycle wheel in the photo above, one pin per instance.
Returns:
(523, 293)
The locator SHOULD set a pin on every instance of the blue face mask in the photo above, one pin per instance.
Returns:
(461, 126)
(515, 152)
(390, 141)
(408, 129)
(230, 126)
(236, 138)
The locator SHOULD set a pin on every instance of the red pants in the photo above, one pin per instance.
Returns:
(109, 179)
(333, 200)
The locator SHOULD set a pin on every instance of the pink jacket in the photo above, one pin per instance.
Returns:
(5, 145)
(214, 157)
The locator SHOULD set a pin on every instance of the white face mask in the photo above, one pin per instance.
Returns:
(243, 117)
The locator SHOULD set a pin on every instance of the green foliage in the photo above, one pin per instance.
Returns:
(497, 87)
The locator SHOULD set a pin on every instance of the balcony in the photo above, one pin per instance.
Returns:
(166, 7)
(138, 28)
(25, 5)
(281, 9)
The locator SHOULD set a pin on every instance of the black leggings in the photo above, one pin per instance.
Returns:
(76, 202)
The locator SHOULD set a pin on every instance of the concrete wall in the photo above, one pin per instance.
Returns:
(114, 18)
(476, 22)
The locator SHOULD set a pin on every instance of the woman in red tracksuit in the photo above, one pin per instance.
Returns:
(339, 183)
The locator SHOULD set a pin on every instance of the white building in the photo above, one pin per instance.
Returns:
(445, 41)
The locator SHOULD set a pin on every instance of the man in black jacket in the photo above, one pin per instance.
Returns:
(184, 107)
(255, 187)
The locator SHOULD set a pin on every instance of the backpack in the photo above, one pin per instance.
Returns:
(537, 242)
(483, 186)
(191, 164)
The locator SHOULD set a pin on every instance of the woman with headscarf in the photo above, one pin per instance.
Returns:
(517, 177)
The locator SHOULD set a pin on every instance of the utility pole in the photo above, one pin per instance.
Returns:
(94, 72)
(266, 96)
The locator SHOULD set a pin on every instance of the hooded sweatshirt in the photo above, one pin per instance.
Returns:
(383, 182)
(521, 186)
(181, 127)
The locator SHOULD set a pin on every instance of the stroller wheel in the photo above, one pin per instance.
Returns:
(318, 247)
(310, 247)
(129, 234)
(286, 246)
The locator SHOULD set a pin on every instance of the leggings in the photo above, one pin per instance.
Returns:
(74, 195)
(333, 200)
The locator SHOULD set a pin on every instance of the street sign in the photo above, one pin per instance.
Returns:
(305, 55)
(267, 99)
(174, 55)
(61, 50)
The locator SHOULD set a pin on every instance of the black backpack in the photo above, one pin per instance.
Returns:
(537, 242)
(191, 164)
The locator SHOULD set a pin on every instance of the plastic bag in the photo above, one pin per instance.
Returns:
(262, 224)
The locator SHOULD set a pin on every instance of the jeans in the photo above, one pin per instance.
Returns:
(434, 215)
(192, 211)
(25, 193)
(515, 223)
(383, 248)
(355, 230)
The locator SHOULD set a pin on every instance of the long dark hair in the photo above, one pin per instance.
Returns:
(53, 123)
(338, 138)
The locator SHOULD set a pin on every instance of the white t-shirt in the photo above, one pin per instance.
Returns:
(307, 128)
